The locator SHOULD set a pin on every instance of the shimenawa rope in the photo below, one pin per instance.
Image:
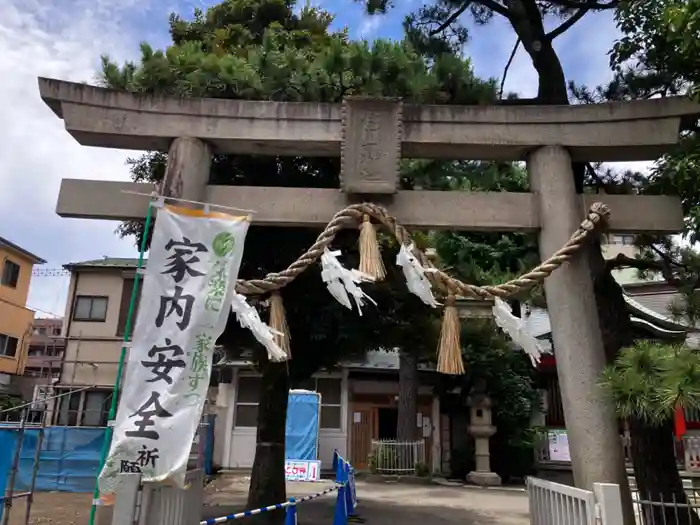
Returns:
(449, 354)
(350, 216)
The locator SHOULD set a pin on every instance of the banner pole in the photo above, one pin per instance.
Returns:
(122, 359)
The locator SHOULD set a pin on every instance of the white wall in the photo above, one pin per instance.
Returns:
(241, 445)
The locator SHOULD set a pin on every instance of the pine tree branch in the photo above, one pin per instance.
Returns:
(495, 7)
(508, 64)
(568, 24)
(623, 261)
(454, 16)
(590, 4)
(668, 261)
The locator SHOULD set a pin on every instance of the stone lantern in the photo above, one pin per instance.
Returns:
(481, 430)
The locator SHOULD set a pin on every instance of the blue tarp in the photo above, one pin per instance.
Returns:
(303, 419)
(69, 460)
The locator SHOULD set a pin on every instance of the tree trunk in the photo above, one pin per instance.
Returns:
(614, 318)
(408, 410)
(656, 473)
(551, 88)
(267, 483)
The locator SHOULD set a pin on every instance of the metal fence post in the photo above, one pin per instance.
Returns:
(609, 502)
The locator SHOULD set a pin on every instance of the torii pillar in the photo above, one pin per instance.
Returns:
(578, 342)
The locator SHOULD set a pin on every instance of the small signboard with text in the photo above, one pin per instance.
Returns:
(558, 442)
(295, 470)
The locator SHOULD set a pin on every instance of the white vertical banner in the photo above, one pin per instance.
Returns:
(186, 300)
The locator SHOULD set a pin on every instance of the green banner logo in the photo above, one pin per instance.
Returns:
(223, 244)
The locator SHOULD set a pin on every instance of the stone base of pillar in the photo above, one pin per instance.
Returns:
(484, 479)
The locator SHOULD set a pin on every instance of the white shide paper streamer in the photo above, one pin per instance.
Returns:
(343, 283)
(249, 318)
(516, 329)
(414, 272)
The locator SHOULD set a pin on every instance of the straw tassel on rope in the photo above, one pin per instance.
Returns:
(371, 262)
(449, 360)
(278, 322)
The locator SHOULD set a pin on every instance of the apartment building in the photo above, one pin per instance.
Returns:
(43, 366)
(93, 328)
(15, 318)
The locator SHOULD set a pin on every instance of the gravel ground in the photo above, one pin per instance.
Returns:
(383, 503)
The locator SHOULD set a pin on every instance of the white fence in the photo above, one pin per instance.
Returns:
(556, 504)
(397, 457)
(156, 504)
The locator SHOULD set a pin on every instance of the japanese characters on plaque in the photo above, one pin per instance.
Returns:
(185, 302)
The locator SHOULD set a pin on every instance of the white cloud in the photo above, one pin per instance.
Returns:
(369, 25)
(62, 40)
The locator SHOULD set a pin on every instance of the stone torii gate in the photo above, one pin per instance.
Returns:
(370, 136)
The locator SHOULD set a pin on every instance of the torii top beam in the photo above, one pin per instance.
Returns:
(370, 136)
(591, 132)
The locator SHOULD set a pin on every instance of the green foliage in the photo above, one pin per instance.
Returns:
(479, 258)
(8, 402)
(508, 378)
(372, 463)
(649, 380)
(655, 56)
(277, 55)
(507, 373)
(422, 470)
(658, 50)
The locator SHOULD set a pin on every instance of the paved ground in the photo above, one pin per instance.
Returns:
(389, 503)
(380, 504)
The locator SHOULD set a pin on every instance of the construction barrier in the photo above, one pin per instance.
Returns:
(346, 501)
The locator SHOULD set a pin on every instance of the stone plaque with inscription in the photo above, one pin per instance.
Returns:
(371, 147)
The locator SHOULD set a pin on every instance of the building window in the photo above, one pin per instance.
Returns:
(88, 408)
(8, 345)
(90, 308)
(330, 389)
(627, 240)
(95, 411)
(10, 274)
(247, 398)
(127, 289)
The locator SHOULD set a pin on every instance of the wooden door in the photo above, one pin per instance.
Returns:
(364, 425)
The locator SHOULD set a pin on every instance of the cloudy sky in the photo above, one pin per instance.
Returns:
(64, 39)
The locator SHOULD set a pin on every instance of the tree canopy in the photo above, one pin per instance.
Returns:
(647, 383)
